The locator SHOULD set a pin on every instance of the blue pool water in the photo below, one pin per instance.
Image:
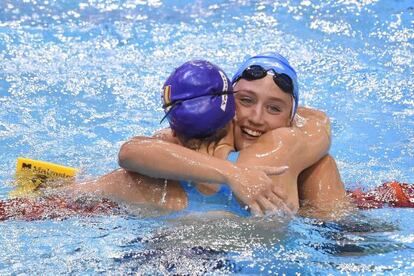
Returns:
(77, 78)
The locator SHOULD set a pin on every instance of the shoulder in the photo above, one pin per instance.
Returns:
(312, 121)
(274, 137)
(269, 146)
(282, 146)
(166, 135)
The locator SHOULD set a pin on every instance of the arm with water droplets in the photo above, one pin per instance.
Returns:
(160, 159)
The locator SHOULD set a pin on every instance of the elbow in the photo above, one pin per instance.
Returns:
(124, 155)
(128, 152)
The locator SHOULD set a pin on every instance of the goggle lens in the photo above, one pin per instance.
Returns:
(255, 72)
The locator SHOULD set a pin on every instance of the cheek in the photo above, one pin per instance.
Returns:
(288, 121)
(275, 122)
(241, 113)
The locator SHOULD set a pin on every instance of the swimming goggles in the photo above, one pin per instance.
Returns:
(255, 72)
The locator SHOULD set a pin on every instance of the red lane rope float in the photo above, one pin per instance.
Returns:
(393, 194)
(54, 207)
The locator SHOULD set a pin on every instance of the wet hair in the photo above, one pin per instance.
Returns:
(196, 143)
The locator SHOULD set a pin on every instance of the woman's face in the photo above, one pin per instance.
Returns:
(261, 106)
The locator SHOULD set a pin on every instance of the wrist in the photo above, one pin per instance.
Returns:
(231, 174)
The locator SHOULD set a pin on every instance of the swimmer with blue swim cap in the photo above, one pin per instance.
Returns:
(271, 63)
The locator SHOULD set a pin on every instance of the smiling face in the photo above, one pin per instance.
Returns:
(261, 106)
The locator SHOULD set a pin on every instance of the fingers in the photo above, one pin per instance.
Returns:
(270, 170)
(271, 204)
(277, 190)
(255, 209)
(266, 205)
(278, 170)
(281, 205)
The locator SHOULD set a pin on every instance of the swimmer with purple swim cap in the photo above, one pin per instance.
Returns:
(199, 103)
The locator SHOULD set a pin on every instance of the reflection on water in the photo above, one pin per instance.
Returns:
(79, 77)
(199, 244)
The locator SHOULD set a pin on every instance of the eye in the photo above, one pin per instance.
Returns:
(273, 109)
(246, 101)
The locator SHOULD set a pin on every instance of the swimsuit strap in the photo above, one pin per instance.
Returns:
(224, 188)
(222, 200)
(233, 156)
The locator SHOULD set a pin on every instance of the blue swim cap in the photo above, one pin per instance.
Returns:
(275, 61)
(198, 99)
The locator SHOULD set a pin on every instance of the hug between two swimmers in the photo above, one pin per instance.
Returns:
(243, 146)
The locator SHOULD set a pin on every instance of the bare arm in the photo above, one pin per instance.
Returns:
(287, 145)
(321, 190)
(161, 159)
(299, 146)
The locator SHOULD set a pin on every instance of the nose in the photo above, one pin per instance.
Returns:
(256, 115)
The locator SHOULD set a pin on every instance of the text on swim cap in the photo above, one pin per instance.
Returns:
(225, 88)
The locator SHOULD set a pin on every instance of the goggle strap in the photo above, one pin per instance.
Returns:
(175, 103)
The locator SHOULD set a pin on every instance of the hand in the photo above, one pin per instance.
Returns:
(271, 202)
(247, 183)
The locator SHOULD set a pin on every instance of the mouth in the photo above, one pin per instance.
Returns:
(251, 133)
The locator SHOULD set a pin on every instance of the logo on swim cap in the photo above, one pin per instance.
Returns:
(167, 97)
(225, 89)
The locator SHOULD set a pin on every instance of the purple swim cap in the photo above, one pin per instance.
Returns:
(198, 99)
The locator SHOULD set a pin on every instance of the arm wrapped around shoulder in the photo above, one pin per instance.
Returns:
(318, 120)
